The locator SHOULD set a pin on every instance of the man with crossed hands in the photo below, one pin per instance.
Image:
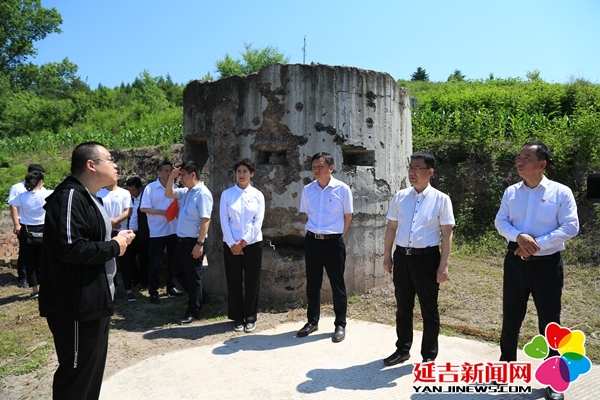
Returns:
(537, 216)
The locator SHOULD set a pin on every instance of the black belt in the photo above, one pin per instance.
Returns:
(535, 258)
(187, 239)
(411, 251)
(512, 246)
(322, 237)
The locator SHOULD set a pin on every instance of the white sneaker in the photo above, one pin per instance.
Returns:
(250, 326)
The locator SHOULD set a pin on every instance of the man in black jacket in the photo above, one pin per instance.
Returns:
(76, 292)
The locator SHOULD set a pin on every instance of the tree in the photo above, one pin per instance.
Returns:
(23, 22)
(253, 60)
(420, 75)
(51, 80)
(207, 78)
(173, 91)
(533, 76)
(456, 76)
(146, 92)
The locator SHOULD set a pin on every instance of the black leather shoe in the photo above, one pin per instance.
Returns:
(339, 334)
(154, 299)
(307, 330)
(175, 292)
(426, 360)
(553, 395)
(188, 317)
(396, 358)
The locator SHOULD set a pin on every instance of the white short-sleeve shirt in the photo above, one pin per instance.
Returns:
(31, 206)
(420, 216)
(16, 190)
(115, 202)
(154, 197)
(327, 206)
(194, 204)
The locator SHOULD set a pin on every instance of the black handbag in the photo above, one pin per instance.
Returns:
(34, 238)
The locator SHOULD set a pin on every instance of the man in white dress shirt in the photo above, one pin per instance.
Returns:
(417, 217)
(537, 216)
(328, 205)
(162, 232)
(195, 207)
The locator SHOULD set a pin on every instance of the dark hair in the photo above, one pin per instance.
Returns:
(542, 151)
(248, 163)
(426, 156)
(32, 179)
(328, 158)
(35, 167)
(191, 166)
(163, 163)
(81, 154)
(134, 181)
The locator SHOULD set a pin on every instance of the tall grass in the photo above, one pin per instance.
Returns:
(53, 143)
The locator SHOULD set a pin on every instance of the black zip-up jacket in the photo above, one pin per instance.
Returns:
(74, 285)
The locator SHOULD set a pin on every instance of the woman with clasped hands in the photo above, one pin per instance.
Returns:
(242, 211)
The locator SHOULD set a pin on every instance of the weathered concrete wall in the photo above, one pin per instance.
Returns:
(281, 117)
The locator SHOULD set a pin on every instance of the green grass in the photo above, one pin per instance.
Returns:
(25, 340)
(31, 361)
(353, 299)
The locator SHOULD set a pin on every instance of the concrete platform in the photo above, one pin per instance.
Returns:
(274, 364)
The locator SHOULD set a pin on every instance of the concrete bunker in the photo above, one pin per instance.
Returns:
(280, 117)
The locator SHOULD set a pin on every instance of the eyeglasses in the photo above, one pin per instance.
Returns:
(109, 161)
(416, 169)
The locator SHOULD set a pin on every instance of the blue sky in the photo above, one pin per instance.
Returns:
(114, 41)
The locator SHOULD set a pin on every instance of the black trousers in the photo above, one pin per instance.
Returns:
(156, 248)
(331, 254)
(137, 257)
(543, 279)
(243, 277)
(31, 254)
(188, 271)
(416, 274)
(21, 270)
(81, 348)
(123, 267)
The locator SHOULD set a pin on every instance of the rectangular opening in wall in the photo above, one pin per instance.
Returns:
(358, 157)
(271, 157)
(198, 151)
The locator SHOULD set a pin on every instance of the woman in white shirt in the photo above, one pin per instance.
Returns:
(31, 203)
(242, 211)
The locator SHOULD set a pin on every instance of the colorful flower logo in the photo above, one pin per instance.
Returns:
(559, 371)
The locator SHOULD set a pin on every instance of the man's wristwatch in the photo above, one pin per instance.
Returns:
(200, 243)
